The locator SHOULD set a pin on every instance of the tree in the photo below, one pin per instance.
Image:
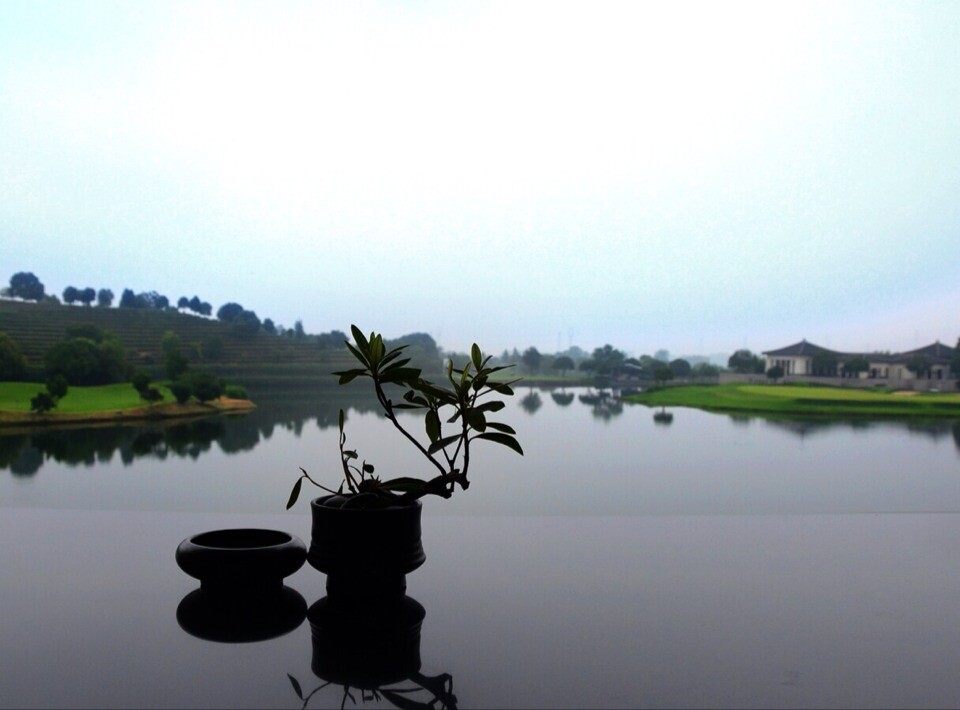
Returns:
(87, 296)
(919, 366)
(607, 361)
(13, 365)
(161, 303)
(71, 295)
(824, 365)
(212, 348)
(204, 386)
(183, 302)
(57, 386)
(25, 285)
(298, 331)
(229, 312)
(181, 391)
(854, 366)
(88, 331)
(247, 324)
(662, 355)
(775, 373)
(680, 368)
(140, 381)
(42, 402)
(745, 362)
(170, 343)
(128, 299)
(83, 362)
(204, 309)
(563, 363)
(337, 338)
(269, 327)
(705, 370)
(104, 298)
(662, 374)
(531, 359)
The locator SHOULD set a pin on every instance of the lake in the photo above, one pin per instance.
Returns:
(703, 559)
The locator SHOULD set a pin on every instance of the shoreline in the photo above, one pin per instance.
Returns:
(164, 410)
(771, 400)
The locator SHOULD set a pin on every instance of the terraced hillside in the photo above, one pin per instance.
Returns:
(256, 362)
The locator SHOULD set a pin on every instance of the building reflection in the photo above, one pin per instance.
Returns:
(241, 618)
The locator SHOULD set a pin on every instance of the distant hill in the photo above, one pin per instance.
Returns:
(261, 361)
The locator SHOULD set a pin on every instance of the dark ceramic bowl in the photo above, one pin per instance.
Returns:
(242, 560)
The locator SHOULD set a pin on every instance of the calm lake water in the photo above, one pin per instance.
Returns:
(625, 561)
(582, 457)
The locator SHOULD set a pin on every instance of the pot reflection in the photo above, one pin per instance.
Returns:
(373, 651)
(243, 618)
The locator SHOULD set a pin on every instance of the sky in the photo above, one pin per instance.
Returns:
(695, 177)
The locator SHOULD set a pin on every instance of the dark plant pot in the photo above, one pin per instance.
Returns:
(239, 618)
(366, 553)
(366, 645)
(242, 561)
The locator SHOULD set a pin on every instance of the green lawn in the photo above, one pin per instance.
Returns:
(15, 397)
(789, 399)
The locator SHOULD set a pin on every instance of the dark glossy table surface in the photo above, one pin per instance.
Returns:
(787, 610)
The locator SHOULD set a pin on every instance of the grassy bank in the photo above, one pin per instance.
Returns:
(101, 404)
(789, 399)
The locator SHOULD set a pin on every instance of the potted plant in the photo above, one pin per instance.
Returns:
(366, 534)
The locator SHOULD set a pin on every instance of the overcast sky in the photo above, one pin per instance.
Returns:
(691, 177)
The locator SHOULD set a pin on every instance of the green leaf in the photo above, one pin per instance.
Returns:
(475, 419)
(401, 375)
(493, 406)
(357, 354)
(349, 375)
(440, 443)
(296, 686)
(360, 339)
(368, 468)
(295, 493)
(432, 422)
(404, 485)
(476, 356)
(501, 427)
(502, 389)
(504, 439)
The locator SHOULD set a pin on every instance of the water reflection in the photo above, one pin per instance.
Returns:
(531, 402)
(226, 618)
(604, 405)
(563, 399)
(933, 429)
(372, 652)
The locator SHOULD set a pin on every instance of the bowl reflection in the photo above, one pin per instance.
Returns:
(241, 618)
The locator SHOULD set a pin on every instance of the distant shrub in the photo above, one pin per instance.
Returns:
(42, 402)
(13, 365)
(57, 386)
(235, 392)
(775, 373)
(88, 331)
(181, 391)
(204, 386)
(152, 394)
(84, 362)
(140, 381)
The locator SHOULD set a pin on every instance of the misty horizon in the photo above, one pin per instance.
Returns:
(696, 178)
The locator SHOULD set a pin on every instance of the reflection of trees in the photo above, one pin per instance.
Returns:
(531, 402)
(935, 429)
(663, 417)
(23, 454)
(563, 399)
(603, 405)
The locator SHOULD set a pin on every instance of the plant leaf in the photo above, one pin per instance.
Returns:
(349, 375)
(360, 339)
(341, 421)
(295, 493)
(404, 484)
(357, 354)
(476, 356)
(432, 423)
(505, 428)
(475, 419)
(368, 468)
(494, 406)
(440, 443)
(504, 439)
(296, 686)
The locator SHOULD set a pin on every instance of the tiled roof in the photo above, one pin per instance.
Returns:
(936, 353)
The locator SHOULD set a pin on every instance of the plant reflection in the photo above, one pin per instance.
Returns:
(663, 417)
(531, 402)
(373, 653)
(563, 399)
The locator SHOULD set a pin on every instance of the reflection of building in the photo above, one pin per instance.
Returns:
(805, 358)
